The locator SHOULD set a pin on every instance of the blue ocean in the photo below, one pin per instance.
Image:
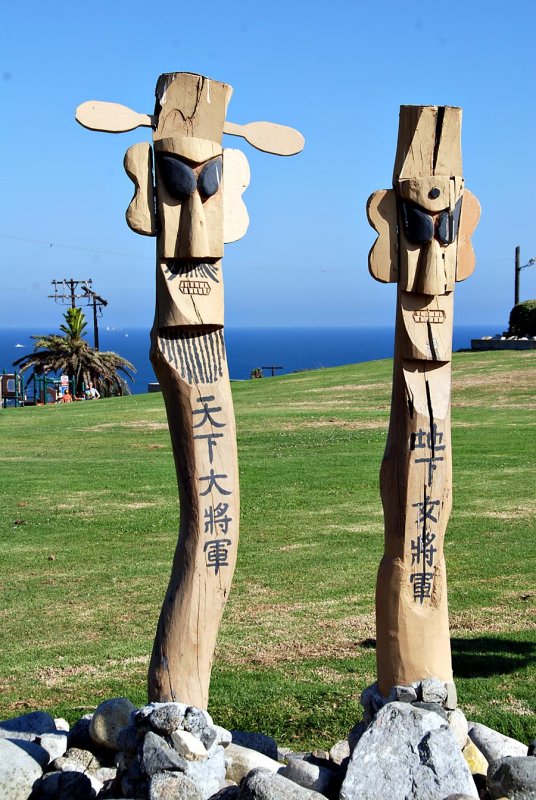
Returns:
(285, 349)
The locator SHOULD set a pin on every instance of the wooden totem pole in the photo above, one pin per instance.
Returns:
(424, 225)
(192, 203)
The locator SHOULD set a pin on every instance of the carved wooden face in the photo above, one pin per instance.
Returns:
(189, 199)
(429, 211)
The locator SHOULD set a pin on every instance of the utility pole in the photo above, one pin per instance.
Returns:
(69, 286)
(66, 290)
(518, 269)
(97, 302)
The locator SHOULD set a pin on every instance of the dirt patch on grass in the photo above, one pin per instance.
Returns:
(56, 676)
(351, 387)
(139, 424)
(334, 422)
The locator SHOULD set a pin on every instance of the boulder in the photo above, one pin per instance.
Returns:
(256, 741)
(493, 745)
(241, 760)
(340, 752)
(475, 760)
(407, 753)
(54, 743)
(513, 777)
(167, 717)
(109, 718)
(433, 691)
(310, 776)
(459, 726)
(158, 756)
(208, 775)
(28, 726)
(65, 786)
(21, 765)
(188, 746)
(171, 785)
(261, 784)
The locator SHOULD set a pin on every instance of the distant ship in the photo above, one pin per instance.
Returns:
(20, 345)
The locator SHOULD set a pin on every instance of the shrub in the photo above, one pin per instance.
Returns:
(523, 319)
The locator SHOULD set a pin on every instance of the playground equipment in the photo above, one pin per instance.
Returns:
(11, 389)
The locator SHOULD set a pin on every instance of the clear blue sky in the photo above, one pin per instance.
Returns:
(338, 71)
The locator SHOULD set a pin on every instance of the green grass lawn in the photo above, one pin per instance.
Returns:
(89, 524)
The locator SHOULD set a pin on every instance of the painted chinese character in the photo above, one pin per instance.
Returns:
(207, 413)
(212, 478)
(211, 441)
(422, 549)
(217, 553)
(422, 585)
(425, 508)
(216, 519)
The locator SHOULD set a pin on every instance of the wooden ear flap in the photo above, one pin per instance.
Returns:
(383, 256)
(468, 222)
(140, 214)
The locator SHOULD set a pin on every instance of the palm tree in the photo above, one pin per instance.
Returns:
(71, 354)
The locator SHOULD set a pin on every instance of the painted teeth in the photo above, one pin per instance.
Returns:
(429, 315)
(194, 287)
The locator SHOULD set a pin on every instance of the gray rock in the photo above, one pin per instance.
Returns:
(225, 737)
(21, 765)
(372, 700)
(513, 777)
(229, 792)
(167, 717)
(356, 733)
(340, 751)
(429, 706)
(402, 694)
(62, 724)
(493, 745)
(54, 743)
(199, 722)
(157, 755)
(172, 785)
(459, 726)
(188, 746)
(77, 760)
(458, 796)
(134, 783)
(65, 786)
(109, 718)
(261, 784)
(79, 736)
(128, 739)
(433, 691)
(256, 741)
(451, 701)
(310, 776)
(209, 775)
(407, 753)
(27, 726)
(241, 760)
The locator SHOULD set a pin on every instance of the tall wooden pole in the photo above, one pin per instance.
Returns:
(424, 225)
(191, 201)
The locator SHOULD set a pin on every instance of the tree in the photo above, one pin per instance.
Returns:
(71, 355)
(523, 319)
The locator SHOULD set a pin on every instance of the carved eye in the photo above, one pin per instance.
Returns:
(210, 178)
(447, 229)
(418, 225)
(178, 178)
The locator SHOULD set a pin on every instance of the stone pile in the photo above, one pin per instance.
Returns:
(410, 747)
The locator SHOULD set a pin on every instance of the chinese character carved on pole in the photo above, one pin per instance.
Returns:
(188, 193)
(424, 225)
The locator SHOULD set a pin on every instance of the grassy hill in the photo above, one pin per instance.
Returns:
(89, 524)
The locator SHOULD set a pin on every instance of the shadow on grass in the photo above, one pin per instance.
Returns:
(486, 656)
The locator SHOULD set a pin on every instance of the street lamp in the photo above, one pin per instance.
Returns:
(518, 270)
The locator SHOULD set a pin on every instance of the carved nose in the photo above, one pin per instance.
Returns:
(193, 238)
(431, 275)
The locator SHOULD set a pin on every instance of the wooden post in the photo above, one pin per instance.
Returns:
(193, 204)
(424, 225)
